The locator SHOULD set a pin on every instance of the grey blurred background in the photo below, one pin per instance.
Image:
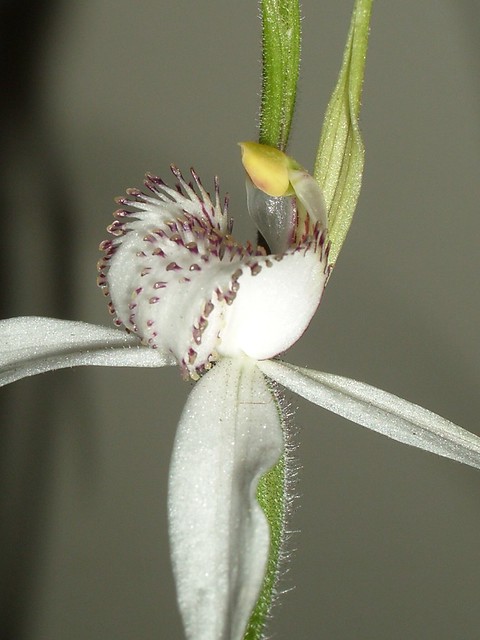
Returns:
(95, 94)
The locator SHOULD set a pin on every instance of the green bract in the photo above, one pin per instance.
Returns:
(340, 157)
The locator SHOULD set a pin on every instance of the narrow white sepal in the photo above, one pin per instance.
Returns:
(379, 411)
(229, 435)
(31, 345)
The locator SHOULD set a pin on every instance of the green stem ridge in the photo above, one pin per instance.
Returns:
(281, 38)
(281, 61)
(340, 157)
(338, 169)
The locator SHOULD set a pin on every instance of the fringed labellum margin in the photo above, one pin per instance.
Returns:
(177, 278)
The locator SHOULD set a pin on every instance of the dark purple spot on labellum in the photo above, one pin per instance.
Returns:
(105, 245)
(132, 191)
(117, 228)
(236, 274)
(172, 225)
(209, 307)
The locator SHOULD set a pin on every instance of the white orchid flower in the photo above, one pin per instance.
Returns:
(188, 293)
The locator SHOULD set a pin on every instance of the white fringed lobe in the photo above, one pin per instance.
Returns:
(229, 435)
(177, 278)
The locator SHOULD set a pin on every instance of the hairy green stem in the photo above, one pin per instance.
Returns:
(281, 38)
(281, 61)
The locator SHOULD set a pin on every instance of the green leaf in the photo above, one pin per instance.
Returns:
(281, 60)
(340, 156)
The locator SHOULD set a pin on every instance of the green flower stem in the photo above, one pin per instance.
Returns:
(281, 61)
(340, 156)
(338, 169)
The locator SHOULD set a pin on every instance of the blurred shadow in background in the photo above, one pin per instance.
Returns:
(35, 263)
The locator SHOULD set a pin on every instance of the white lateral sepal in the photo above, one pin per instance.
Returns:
(379, 411)
(31, 345)
(229, 435)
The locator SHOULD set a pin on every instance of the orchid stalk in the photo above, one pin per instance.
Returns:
(183, 291)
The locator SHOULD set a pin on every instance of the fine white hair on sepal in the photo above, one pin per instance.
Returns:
(378, 410)
(177, 278)
(291, 467)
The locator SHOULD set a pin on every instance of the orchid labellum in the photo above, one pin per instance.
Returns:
(188, 293)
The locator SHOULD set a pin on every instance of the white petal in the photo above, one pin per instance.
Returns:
(379, 411)
(229, 435)
(274, 306)
(172, 270)
(184, 284)
(32, 345)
